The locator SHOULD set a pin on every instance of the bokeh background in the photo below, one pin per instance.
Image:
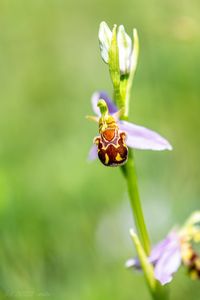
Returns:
(63, 221)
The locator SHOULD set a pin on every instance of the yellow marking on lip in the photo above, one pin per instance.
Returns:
(118, 157)
(106, 159)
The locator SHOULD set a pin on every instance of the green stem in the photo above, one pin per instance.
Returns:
(117, 97)
(158, 292)
(161, 292)
(129, 170)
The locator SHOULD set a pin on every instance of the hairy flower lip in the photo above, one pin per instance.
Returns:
(138, 137)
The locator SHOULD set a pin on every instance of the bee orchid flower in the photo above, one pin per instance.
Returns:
(137, 137)
(176, 249)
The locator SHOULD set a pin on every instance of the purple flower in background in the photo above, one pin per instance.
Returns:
(176, 249)
(138, 137)
(165, 257)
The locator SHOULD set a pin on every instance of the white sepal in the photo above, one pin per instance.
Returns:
(125, 49)
(105, 36)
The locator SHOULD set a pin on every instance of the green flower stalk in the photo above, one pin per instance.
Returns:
(122, 69)
(130, 174)
(117, 135)
(122, 59)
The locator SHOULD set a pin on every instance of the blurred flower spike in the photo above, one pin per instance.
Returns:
(127, 53)
(176, 249)
(137, 137)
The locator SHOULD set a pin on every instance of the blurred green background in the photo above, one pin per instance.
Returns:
(63, 221)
